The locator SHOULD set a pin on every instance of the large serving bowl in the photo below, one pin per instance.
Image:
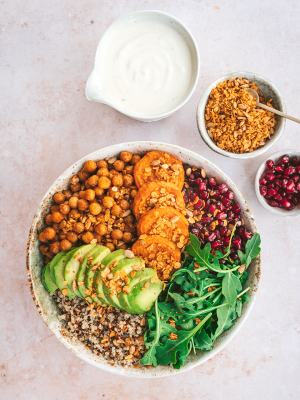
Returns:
(269, 90)
(47, 307)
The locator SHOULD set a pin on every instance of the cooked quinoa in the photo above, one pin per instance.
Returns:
(108, 332)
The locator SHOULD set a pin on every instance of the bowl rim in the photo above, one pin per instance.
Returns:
(150, 118)
(61, 337)
(201, 110)
(277, 211)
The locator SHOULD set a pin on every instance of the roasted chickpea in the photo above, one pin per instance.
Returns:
(59, 198)
(108, 202)
(78, 227)
(95, 208)
(76, 187)
(63, 224)
(101, 218)
(119, 165)
(82, 204)
(97, 237)
(101, 229)
(76, 194)
(65, 245)
(126, 156)
(90, 166)
(102, 164)
(127, 237)
(124, 204)
(133, 193)
(48, 219)
(135, 158)
(113, 190)
(55, 248)
(117, 180)
(87, 237)
(49, 233)
(72, 237)
(112, 173)
(93, 180)
(129, 219)
(99, 192)
(64, 208)
(44, 249)
(87, 185)
(83, 175)
(56, 226)
(91, 229)
(89, 194)
(81, 194)
(74, 213)
(103, 172)
(62, 236)
(121, 246)
(49, 255)
(104, 182)
(57, 217)
(110, 246)
(68, 194)
(129, 169)
(73, 202)
(116, 234)
(55, 208)
(128, 180)
(116, 210)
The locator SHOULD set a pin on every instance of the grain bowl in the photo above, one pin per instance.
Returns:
(46, 304)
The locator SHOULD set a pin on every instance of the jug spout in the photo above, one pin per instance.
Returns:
(93, 89)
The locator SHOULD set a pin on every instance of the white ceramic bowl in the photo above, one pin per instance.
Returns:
(93, 89)
(48, 309)
(277, 211)
(268, 90)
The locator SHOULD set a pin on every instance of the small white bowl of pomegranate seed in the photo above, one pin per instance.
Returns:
(277, 183)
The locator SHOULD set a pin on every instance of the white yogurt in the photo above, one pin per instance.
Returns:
(145, 68)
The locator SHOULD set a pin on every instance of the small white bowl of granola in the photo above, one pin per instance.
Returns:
(231, 125)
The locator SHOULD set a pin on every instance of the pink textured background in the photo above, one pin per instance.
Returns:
(46, 54)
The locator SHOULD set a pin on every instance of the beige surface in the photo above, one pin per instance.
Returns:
(47, 51)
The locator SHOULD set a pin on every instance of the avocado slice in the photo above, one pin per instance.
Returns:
(72, 266)
(43, 277)
(111, 258)
(49, 281)
(140, 300)
(90, 273)
(59, 270)
(125, 265)
(98, 253)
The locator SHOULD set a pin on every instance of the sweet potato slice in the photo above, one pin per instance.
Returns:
(166, 222)
(157, 194)
(159, 166)
(158, 253)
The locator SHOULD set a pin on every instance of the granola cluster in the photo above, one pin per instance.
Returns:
(232, 119)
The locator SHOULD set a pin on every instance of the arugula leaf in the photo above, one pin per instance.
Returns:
(202, 257)
(180, 301)
(203, 341)
(231, 286)
(252, 250)
(226, 315)
(150, 358)
(176, 351)
(239, 307)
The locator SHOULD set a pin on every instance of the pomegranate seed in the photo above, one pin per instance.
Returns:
(222, 261)
(277, 197)
(197, 174)
(270, 177)
(298, 186)
(223, 188)
(270, 171)
(263, 181)
(273, 203)
(295, 161)
(217, 194)
(289, 197)
(294, 199)
(205, 231)
(227, 240)
(221, 215)
(219, 205)
(211, 237)
(201, 186)
(270, 163)
(212, 208)
(222, 230)
(193, 196)
(244, 233)
(284, 183)
(295, 178)
(234, 256)
(218, 236)
(230, 214)
(197, 225)
(236, 242)
(263, 190)
(278, 182)
(236, 208)
(270, 185)
(237, 221)
(272, 192)
(203, 195)
(226, 202)
(198, 204)
(297, 169)
(286, 204)
(285, 159)
(192, 180)
(201, 240)
(196, 232)
(212, 182)
(290, 186)
(185, 199)
(216, 243)
(279, 169)
(229, 195)
(207, 219)
(289, 171)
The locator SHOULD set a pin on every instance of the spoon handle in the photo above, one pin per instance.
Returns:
(278, 112)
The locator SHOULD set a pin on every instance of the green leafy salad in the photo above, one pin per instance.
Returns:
(203, 299)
